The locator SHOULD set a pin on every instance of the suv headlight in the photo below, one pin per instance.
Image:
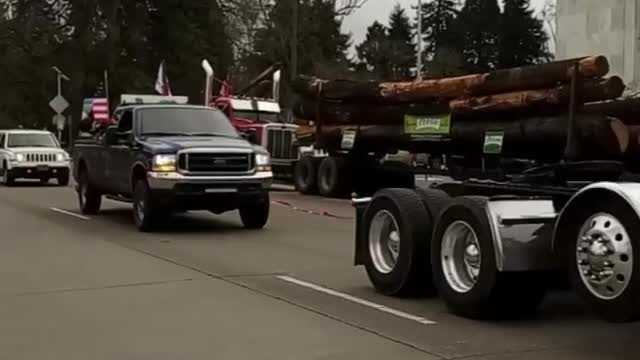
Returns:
(164, 163)
(62, 157)
(263, 162)
(20, 157)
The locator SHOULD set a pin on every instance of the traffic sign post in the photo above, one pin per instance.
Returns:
(59, 104)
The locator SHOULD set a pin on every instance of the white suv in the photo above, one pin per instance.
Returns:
(32, 154)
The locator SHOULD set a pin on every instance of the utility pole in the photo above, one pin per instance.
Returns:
(419, 60)
(294, 38)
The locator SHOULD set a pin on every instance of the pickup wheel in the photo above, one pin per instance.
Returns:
(146, 213)
(89, 198)
(7, 176)
(255, 215)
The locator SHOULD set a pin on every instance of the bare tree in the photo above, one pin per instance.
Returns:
(549, 16)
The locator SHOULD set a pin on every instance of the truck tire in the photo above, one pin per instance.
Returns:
(255, 216)
(7, 177)
(333, 177)
(305, 176)
(465, 273)
(435, 200)
(146, 213)
(608, 280)
(89, 198)
(397, 228)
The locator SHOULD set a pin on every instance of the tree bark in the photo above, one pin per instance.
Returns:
(535, 138)
(501, 106)
(501, 81)
(593, 90)
(627, 110)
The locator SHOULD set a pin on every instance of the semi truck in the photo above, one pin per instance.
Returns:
(533, 201)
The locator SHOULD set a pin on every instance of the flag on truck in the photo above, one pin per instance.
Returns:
(162, 82)
(100, 110)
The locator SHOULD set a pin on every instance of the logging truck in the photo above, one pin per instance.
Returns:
(539, 194)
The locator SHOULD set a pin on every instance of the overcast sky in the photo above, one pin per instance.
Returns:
(379, 10)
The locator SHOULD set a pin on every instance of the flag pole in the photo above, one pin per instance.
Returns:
(106, 83)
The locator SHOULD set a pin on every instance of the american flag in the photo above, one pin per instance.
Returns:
(100, 110)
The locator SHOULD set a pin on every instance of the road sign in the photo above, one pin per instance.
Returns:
(59, 121)
(59, 104)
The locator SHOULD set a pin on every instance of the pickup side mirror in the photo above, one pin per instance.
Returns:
(111, 135)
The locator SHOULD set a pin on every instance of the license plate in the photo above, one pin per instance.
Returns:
(221, 190)
(42, 168)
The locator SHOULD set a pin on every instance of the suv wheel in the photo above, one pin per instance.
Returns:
(7, 176)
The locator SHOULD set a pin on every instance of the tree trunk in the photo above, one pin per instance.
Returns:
(593, 90)
(627, 110)
(535, 138)
(502, 106)
(501, 81)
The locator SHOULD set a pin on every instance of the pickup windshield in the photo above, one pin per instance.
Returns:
(185, 121)
(31, 140)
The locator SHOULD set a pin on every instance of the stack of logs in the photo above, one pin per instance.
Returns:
(529, 104)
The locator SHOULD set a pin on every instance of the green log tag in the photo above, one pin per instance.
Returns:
(493, 141)
(348, 139)
(427, 124)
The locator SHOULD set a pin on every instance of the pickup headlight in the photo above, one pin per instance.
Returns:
(263, 162)
(164, 163)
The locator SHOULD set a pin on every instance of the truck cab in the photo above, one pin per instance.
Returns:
(167, 158)
(263, 123)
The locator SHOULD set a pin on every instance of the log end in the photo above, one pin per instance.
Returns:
(594, 66)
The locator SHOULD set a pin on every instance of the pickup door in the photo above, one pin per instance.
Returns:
(121, 155)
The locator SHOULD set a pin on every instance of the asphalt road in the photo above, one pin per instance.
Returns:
(74, 287)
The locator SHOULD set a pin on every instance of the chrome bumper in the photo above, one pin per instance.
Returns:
(167, 181)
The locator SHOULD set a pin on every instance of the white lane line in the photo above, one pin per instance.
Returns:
(70, 213)
(356, 300)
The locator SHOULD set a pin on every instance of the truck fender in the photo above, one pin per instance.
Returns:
(629, 192)
(138, 169)
(521, 229)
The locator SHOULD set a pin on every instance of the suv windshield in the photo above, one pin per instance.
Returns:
(31, 140)
(185, 121)
(256, 116)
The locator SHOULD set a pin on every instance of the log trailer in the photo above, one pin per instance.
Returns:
(538, 194)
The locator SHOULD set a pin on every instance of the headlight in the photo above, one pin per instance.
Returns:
(164, 163)
(62, 157)
(20, 157)
(263, 162)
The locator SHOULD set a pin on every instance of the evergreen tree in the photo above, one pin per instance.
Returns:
(442, 38)
(480, 24)
(523, 40)
(374, 52)
(401, 49)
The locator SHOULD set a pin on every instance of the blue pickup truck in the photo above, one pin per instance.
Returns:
(167, 158)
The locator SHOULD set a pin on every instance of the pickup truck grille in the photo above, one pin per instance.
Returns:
(212, 163)
(35, 157)
(279, 144)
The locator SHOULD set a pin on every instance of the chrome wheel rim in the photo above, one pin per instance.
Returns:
(460, 256)
(139, 209)
(82, 194)
(384, 241)
(604, 256)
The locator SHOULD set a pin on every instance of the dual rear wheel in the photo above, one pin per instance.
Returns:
(409, 250)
